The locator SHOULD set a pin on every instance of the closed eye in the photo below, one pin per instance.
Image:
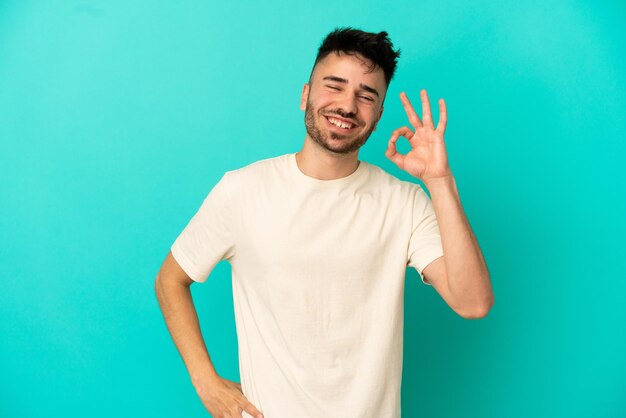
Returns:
(368, 98)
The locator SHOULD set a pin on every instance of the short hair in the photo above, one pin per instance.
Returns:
(376, 47)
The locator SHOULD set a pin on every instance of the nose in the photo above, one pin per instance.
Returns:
(348, 105)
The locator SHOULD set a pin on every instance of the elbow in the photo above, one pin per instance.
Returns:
(480, 308)
(158, 287)
(477, 314)
(479, 311)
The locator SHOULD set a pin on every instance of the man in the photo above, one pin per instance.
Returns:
(319, 243)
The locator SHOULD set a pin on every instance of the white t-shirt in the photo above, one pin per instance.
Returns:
(318, 269)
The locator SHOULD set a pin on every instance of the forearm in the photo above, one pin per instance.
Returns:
(182, 322)
(468, 276)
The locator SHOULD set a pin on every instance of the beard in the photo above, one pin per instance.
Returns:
(344, 145)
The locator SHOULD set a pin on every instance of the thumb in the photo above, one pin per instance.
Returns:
(393, 154)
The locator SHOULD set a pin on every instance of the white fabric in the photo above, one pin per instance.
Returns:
(318, 269)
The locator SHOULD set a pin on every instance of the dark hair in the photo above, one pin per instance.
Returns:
(376, 47)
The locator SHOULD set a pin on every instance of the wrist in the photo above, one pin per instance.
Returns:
(201, 381)
(440, 182)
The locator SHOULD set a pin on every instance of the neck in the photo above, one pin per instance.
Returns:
(319, 163)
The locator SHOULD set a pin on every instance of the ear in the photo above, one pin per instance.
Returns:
(304, 97)
(380, 115)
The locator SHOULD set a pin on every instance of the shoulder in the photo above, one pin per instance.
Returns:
(259, 168)
(392, 184)
(258, 173)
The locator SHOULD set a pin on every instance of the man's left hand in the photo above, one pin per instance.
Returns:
(428, 159)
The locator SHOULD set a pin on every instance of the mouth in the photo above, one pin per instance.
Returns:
(340, 124)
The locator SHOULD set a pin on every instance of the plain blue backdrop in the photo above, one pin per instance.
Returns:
(117, 118)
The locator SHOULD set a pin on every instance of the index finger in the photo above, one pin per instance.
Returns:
(252, 410)
(410, 112)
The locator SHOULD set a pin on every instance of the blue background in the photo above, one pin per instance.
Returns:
(117, 118)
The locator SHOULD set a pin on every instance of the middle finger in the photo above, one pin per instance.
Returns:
(410, 112)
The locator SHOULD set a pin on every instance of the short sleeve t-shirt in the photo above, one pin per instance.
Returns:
(318, 269)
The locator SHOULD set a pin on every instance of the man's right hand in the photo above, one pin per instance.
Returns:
(221, 397)
(224, 399)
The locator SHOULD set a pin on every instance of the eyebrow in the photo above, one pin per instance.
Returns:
(344, 81)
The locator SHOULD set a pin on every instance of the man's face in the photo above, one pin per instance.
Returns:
(343, 102)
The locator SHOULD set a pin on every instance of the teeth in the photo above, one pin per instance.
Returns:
(339, 123)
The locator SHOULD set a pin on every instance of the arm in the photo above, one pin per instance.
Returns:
(220, 397)
(461, 276)
(172, 287)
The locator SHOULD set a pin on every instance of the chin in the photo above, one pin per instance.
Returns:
(342, 148)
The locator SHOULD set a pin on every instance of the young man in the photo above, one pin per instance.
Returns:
(319, 243)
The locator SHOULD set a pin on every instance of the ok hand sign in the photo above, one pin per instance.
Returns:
(428, 158)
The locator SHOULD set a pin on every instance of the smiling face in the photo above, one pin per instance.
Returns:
(343, 102)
